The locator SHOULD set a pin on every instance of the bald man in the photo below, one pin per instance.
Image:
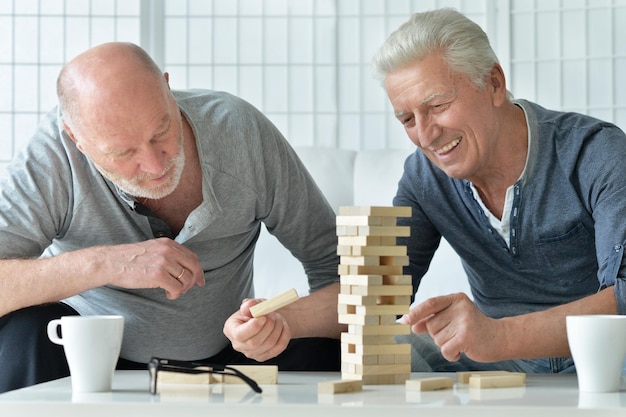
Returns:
(137, 200)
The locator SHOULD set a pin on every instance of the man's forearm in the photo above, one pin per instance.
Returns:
(28, 282)
(544, 334)
(315, 315)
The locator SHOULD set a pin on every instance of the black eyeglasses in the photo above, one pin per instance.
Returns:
(170, 365)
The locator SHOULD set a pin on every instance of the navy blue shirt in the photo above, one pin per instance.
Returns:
(567, 220)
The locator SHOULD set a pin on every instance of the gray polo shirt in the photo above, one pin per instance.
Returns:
(53, 200)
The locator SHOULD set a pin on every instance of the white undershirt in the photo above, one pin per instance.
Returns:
(502, 225)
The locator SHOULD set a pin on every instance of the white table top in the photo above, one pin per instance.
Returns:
(296, 392)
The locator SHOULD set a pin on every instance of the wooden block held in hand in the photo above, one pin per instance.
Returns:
(274, 303)
(429, 384)
(339, 386)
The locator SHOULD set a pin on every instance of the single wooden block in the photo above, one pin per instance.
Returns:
(395, 231)
(364, 280)
(274, 303)
(463, 377)
(383, 211)
(359, 221)
(357, 319)
(168, 377)
(397, 280)
(339, 386)
(262, 374)
(382, 310)
(360, 339)
(429, 384)
(347, 230)
(379, 330)
(393, 349)
(394, 260)
(365, 241)
(361, 260)
(383, 369)
(357, 359)
(513, 379)
(357, 300)
(382, 290)
(370, 269)
(372, 250)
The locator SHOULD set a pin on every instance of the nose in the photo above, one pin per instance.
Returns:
(152, 160)
(424, 131)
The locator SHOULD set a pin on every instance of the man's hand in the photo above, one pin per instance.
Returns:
(457, 326)
(259, 338)
(159, 263)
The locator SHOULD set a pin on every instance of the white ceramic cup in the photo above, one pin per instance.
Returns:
(92, 347)
(598, 347)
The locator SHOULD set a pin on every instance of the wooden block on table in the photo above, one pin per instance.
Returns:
(168, 377)
(463, 377)
(339, 386)
(384, 211)
(262, 374)
(429, 384)
(513, 379)
(274, 303)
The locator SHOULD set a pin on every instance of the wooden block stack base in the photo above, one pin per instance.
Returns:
(373, 293)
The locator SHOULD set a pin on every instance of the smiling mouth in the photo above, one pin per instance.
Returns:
(448, 147)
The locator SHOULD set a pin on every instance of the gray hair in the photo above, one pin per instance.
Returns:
(462, 43)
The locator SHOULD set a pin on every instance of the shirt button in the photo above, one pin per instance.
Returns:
(617, 247)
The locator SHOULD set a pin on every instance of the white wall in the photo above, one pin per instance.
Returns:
(305, 63)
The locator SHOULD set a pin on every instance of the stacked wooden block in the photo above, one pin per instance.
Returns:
(374, 292)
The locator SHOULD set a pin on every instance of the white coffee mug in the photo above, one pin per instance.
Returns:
(92, 347)
(598, 347)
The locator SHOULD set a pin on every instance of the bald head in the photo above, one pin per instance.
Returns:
(116, 74)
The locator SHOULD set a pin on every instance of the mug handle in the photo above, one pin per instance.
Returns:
(53, 334)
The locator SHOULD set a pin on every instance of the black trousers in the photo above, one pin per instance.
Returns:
(28, 357)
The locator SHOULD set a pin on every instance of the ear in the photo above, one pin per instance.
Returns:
(72, 136)
(166, 75)
(497, 84)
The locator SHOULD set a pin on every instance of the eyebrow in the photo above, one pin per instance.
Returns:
(426, 100)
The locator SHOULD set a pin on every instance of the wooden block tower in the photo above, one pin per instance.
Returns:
(374, 292)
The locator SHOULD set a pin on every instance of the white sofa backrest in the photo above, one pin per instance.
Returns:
(363, 178)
